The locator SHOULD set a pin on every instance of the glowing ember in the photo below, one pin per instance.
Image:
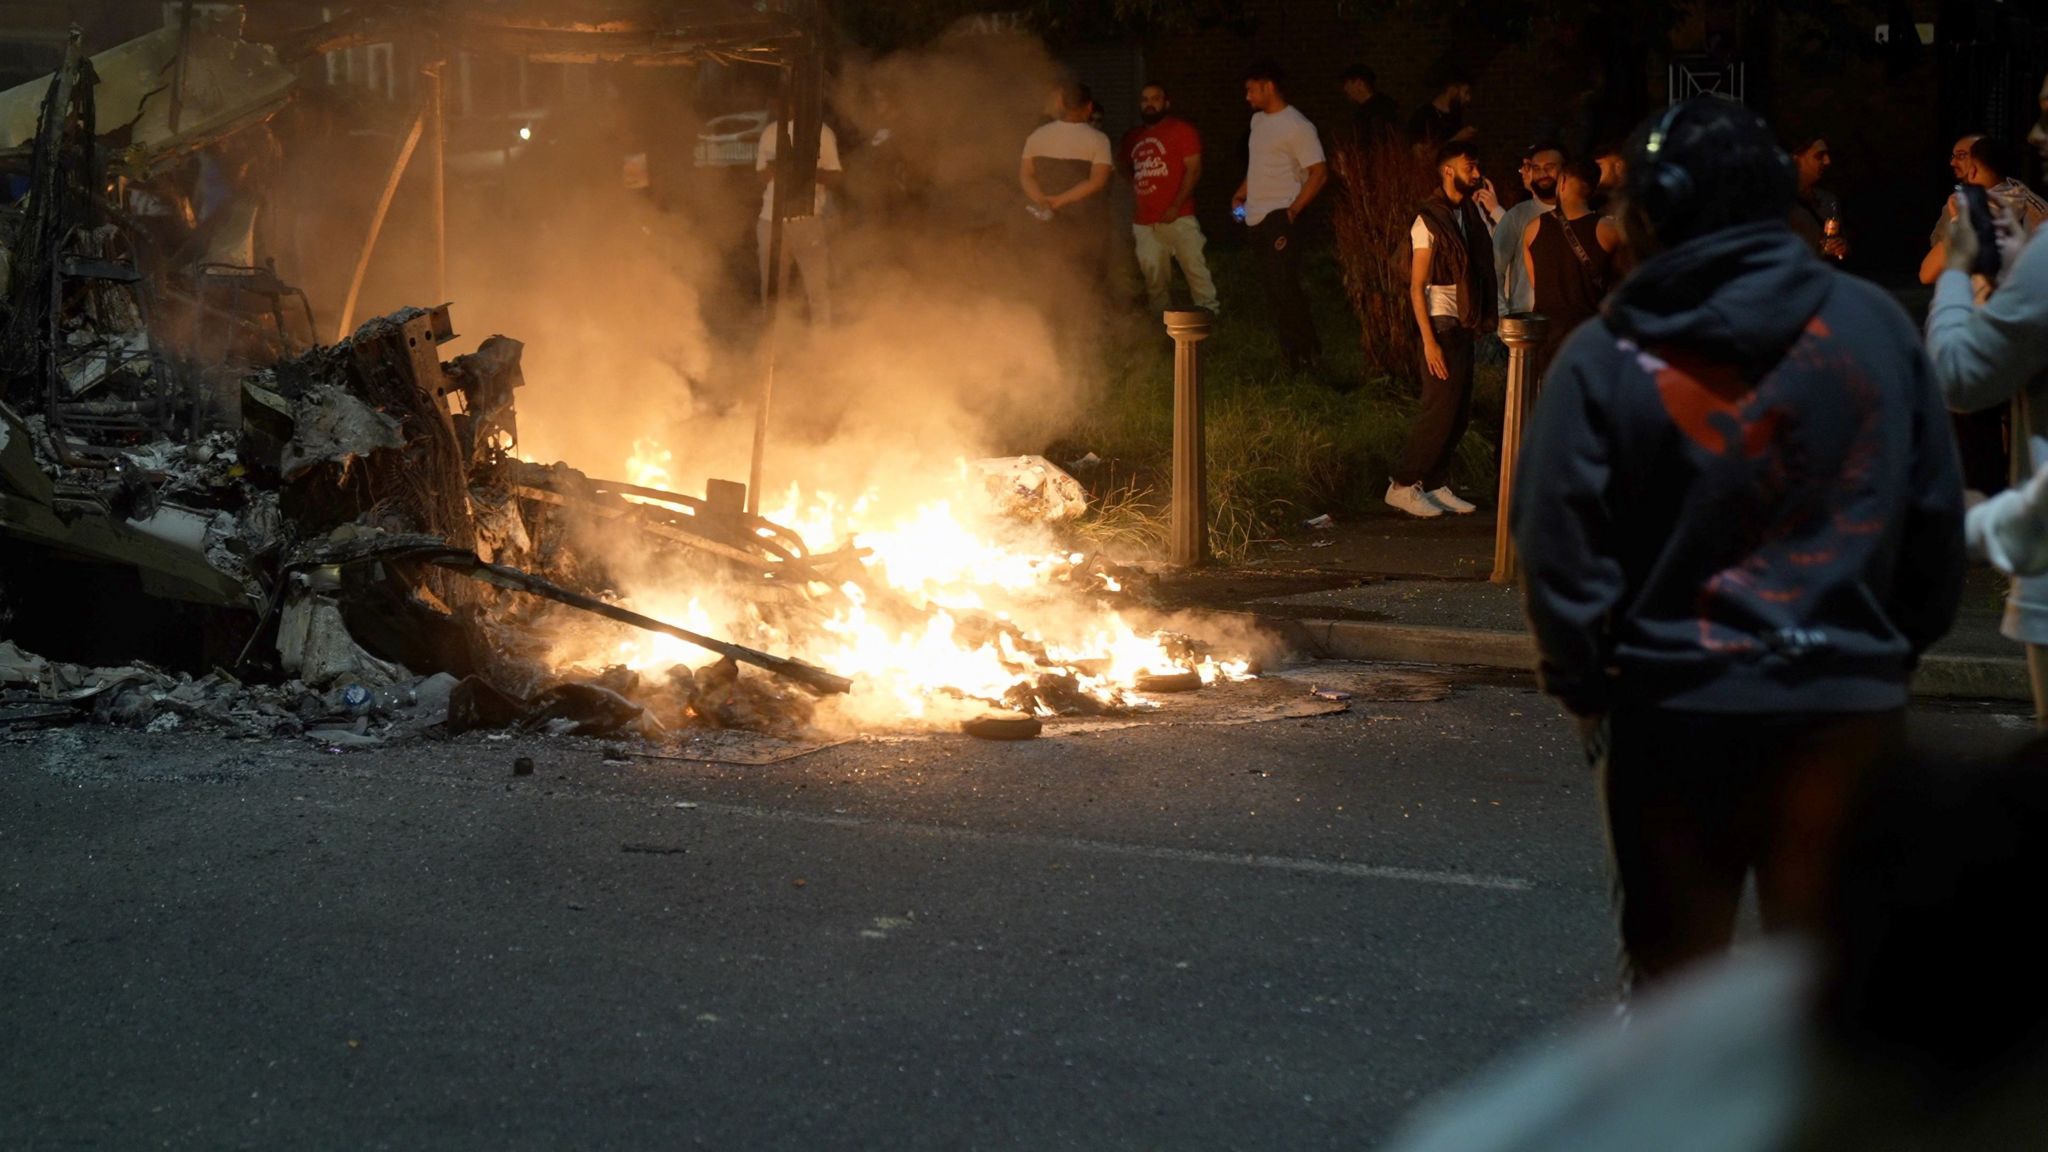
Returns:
(982, 609)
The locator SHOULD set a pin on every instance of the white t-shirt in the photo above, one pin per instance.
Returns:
(764, 155)
(1284, 145)
(1443, 298)
(1067, 140)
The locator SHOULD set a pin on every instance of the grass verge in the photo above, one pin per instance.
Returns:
(1282, 448)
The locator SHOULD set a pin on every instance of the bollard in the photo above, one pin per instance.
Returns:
(1521, 332)
(1190, 527)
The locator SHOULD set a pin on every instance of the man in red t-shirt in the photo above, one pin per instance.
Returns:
(1163, 159)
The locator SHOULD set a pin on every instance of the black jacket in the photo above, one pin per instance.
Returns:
(1739, 492)
(1462, 254)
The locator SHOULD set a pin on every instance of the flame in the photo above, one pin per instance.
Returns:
(978, 606)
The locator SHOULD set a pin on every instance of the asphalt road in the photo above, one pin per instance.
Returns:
(1172, 935)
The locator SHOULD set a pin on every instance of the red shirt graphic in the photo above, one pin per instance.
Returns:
(1158, 155)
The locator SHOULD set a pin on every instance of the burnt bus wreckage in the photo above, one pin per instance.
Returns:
(206, 512)
(208, 515)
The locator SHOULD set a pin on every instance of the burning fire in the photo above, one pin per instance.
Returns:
(996, 609)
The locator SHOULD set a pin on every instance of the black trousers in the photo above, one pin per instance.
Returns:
(1981, 441)
(1445, 413)
(1279, 257)
(1695, 802)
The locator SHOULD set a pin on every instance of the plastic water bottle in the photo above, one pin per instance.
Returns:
(356, 699)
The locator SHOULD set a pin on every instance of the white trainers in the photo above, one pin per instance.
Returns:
(1450, 501)
(1409, 498)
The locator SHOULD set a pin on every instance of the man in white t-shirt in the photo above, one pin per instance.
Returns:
(804, 238)
(1065, 174)
(1285, 174)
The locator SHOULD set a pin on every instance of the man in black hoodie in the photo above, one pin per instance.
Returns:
(1741, 517)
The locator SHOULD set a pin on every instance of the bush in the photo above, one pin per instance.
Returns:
(1377, 185)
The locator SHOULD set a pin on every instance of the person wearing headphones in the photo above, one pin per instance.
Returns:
(1741, 519)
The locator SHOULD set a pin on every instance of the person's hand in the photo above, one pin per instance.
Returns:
(1835, 248)
(1433, 355)
(1960, 237)
(1486, 199)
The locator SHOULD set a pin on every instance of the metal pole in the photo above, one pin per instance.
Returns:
(355, 283)
(778, 280)
(440, 181)
(1521, 332)
(1189, 537)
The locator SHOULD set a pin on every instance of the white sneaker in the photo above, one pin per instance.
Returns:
(1409, 498)
(1450, 501)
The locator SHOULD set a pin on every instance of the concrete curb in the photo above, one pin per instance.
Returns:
(1940, 676)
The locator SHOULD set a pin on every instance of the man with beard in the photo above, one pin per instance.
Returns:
(1570, 254)
(1285, 172)
(1964, 168)
(1442, 120)
(1163, 157)
(1540, 168)
(1453, 291)
(1816, 212)
(1741, 522)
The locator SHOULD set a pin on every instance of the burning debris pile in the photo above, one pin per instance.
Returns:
(210, 518)
(371, 520)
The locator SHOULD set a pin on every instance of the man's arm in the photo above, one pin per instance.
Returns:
(1028, 177)
(1418, 300)
(1985, 356)
(1931, 264)
(1098, 179)
(1608, 233)
(1573, 582)
(1313, 178)
(1188, 178)
(1527, 254)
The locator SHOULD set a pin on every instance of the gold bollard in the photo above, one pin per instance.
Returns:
(1189, 539)
(1521, 332)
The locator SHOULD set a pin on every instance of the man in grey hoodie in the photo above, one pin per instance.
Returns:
(1985, 357)
(1742, 521)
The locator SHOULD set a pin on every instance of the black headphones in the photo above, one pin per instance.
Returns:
(1664, 187)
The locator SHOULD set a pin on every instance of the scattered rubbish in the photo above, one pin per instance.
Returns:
(1317, 523)
(474, 704)
(1329, 694)
(1031, 488)
(1003, 726)
(586, 710)
(613, 754)
(1321, 543)
(1088, 463)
